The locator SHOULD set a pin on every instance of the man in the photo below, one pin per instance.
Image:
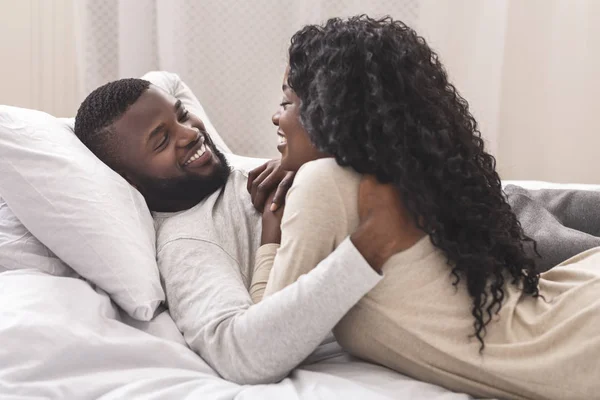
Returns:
(208, 233)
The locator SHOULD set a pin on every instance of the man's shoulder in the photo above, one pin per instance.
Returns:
(235, 189)
(202, 222)
(237, 175)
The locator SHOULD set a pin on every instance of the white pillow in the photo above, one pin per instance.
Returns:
(85, 213)
(57, 191)
(19, 249)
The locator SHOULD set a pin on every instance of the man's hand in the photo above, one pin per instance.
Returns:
(269, 179)
(386, 227)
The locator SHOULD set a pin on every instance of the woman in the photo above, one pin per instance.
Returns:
(463, 306)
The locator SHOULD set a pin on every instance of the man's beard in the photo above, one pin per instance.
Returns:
(167, 194)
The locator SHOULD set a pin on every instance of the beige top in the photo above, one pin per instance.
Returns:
(417, 323)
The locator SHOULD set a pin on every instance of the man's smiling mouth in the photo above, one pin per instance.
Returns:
(201, 155)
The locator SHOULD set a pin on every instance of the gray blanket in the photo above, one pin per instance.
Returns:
(562, 222)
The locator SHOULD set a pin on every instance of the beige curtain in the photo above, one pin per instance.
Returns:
(528, 67)
(231, 53)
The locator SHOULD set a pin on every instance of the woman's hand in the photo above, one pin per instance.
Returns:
(386, 227)
(268, 185)
(271, 222)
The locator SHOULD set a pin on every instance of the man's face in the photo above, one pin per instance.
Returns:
(167, 154)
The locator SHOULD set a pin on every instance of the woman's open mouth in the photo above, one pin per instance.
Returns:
(282, 141)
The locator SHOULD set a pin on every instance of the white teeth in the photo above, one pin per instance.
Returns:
(198, 154)
(282, 140)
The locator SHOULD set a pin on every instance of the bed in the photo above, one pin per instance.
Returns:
(62, 338)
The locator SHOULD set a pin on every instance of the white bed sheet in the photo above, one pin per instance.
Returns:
(61, 339)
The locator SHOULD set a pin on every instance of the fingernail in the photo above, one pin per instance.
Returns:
(273, 207)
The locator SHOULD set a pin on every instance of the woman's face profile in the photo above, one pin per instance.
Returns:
(294, 143)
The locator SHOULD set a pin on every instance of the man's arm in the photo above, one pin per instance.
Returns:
(252, 344)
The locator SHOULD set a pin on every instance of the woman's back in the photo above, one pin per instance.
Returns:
(416, 322)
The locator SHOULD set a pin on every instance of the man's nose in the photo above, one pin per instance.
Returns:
(187, 135)
(275, 118)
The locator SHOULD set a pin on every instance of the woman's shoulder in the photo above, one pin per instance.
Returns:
(326, 185)
(327, 171)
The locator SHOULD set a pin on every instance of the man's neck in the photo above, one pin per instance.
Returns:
(166, 206)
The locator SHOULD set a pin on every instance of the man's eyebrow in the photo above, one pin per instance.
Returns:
(284, 87)
(177, 106)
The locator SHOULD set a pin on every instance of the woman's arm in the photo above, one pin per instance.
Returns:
(314, 222)
(265, 256)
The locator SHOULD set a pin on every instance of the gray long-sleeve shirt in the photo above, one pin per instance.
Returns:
(206, 260)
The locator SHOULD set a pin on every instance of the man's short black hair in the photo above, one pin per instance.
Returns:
(99, 111)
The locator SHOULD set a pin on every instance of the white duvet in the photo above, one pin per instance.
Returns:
(61, 339)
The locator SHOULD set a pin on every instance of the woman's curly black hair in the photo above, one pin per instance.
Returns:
(377, 98)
